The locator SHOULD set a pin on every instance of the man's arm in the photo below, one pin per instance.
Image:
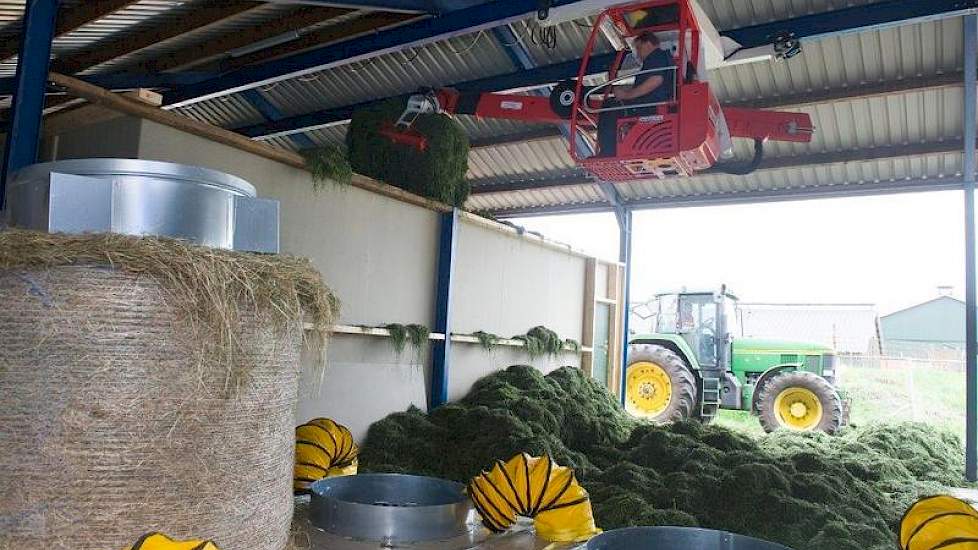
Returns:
(631, 92)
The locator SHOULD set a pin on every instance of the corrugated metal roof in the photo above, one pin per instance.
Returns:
(873, 124)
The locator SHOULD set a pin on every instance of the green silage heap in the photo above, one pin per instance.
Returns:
(810, 492)
(437, 172)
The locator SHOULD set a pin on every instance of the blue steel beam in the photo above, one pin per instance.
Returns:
(971, 283)
(540, 76)
(441, 350)
(261, 103)
(856, 19)
(625, 257)
(425, 31)
(28, 95)
(747, 197)
(852, 19)
(127, 81)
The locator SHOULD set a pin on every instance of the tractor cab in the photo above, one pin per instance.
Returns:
(706, 321)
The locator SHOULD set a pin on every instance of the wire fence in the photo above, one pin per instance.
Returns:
(897, 389)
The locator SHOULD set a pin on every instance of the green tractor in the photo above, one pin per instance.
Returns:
(692, 366)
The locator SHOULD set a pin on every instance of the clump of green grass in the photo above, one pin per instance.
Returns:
(402, 335)
(437, 172)
(487, 340)
(540, 341)
(328, 164)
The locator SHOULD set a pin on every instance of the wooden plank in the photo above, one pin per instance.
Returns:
(69, 20)
(115, 102)
(357, 330)
(587, 331)
(207, 14)
(370, 22)
(296, 20)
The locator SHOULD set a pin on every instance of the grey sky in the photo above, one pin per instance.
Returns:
(890, 250)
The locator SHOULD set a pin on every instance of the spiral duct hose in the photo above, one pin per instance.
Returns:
(323, 449)
(939, 522)
(159, 541)
(534, 487)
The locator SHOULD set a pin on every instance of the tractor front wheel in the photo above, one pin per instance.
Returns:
(799, 401)
(658, 384)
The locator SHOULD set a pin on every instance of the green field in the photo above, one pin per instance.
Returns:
(890, 391)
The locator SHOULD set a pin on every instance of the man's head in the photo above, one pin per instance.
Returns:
(645, 44)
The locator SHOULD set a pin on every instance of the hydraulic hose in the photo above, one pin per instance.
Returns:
(323, 449)
(744, 168)
(534, 487)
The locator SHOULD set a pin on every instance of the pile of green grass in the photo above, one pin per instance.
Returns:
(808, 491)
(438, 172)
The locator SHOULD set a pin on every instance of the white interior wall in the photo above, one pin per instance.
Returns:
(379, 255)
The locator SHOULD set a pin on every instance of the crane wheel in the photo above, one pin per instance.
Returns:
(658, 384)
(799, 401)
(562, 98)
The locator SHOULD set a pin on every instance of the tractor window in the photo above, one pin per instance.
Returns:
(698, 325)
(667, 317)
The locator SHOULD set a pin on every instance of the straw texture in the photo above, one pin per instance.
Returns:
(124, 411)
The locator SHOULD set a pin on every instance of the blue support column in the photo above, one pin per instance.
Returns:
(971, 284)
(24, 135)
(441, 350)
(625, 257)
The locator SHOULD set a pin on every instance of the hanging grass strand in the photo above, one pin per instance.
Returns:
(328, 164)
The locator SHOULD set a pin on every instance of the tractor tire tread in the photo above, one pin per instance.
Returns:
(832, 415)
(684, 392)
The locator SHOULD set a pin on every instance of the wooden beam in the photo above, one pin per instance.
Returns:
(69, 20)
(367, 23)
(296, 20)
(100, 96)
(207, 14)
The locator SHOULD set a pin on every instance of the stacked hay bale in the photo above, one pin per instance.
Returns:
(149, 385)
(808, 491)
(438, 171)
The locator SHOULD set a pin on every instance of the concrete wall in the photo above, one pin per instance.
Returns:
(379, 255)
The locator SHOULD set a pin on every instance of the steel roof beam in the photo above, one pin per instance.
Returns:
(521, 79)
(810, 26)
(772, 163)
(851, 19)
(747, 197)
(542, 76)
(137, 39)
(426, 31)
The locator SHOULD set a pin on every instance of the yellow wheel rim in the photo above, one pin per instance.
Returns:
(648, 389)
(798, 409)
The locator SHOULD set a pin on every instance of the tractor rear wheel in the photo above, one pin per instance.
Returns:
(658, 384)
(799, 401)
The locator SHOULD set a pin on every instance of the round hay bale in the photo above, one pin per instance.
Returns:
(125, 413)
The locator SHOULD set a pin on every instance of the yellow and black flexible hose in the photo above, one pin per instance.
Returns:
(939, 522)
(534, 487)
(323, 449)
(159, 541)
